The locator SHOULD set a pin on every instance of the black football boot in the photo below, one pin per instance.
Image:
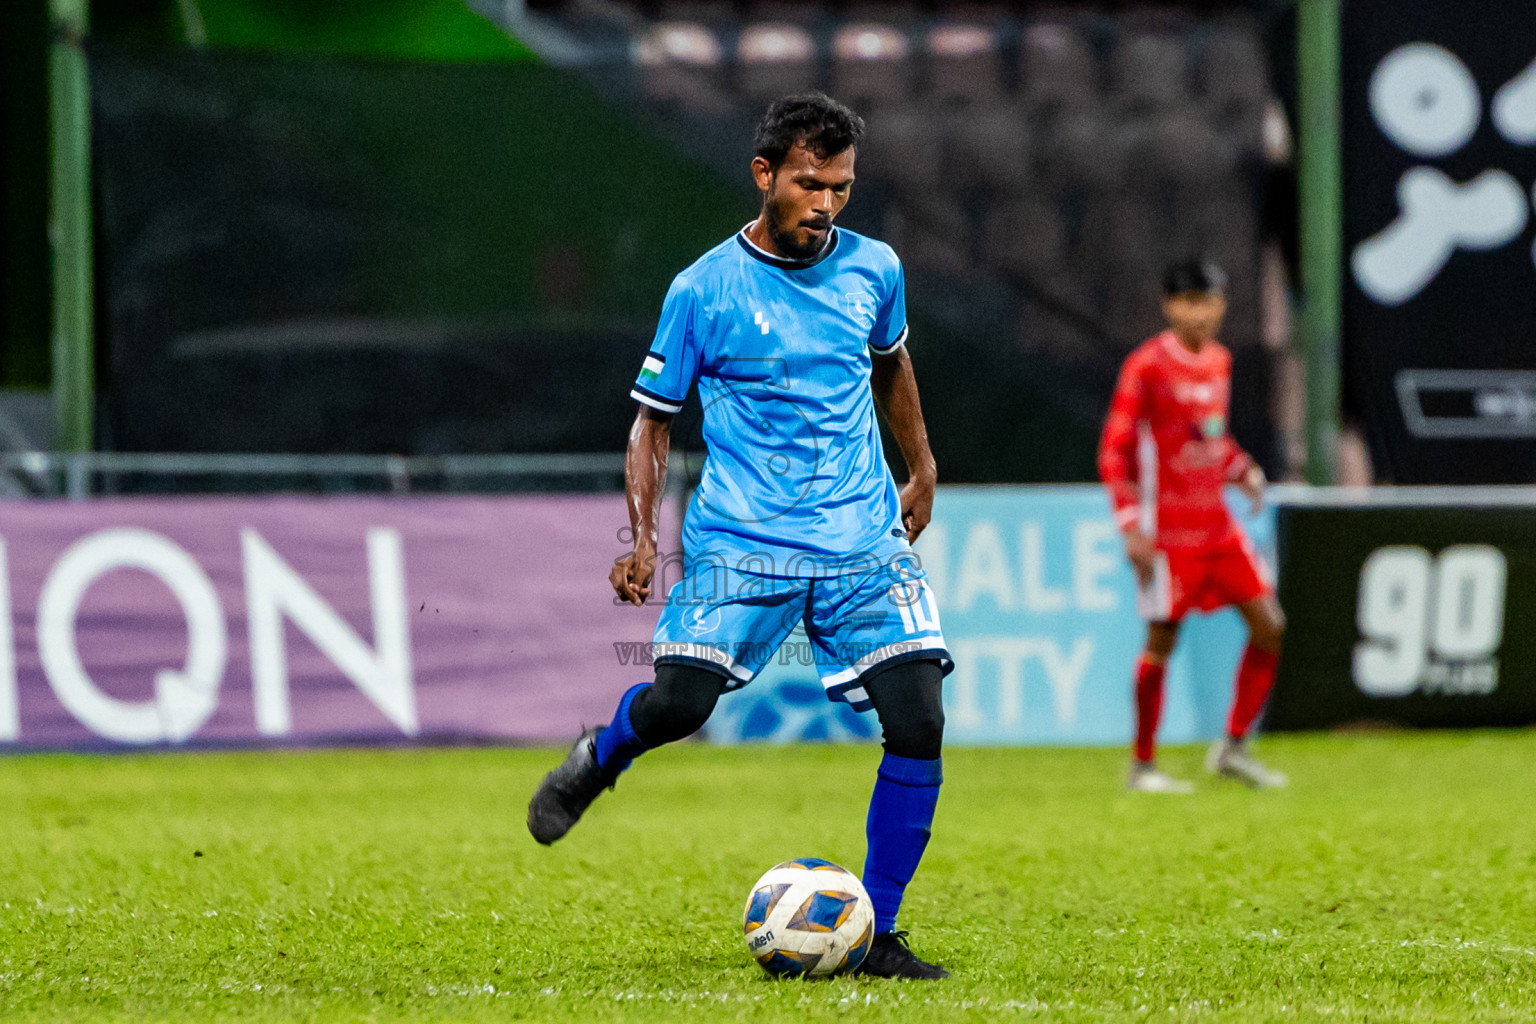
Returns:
(567, 792)
(891, 957)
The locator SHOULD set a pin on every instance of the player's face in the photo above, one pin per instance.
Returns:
(1195, 316)
(802, 197)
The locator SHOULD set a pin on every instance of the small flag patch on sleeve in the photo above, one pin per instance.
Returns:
(651, 368)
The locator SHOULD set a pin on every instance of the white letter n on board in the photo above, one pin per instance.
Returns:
(273, 591)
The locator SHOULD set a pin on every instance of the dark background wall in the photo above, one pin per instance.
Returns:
(325, 254)
(412, 29)
(24, 276)
(300, 251)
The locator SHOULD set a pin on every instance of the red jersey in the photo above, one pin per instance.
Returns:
(1166, 453)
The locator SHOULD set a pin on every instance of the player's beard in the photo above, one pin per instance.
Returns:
(781, 229)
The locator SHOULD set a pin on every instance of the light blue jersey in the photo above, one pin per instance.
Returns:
(795, 483)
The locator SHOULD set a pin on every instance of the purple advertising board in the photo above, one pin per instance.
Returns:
(288, 620)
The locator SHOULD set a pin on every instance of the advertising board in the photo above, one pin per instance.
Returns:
(1038, 608)
(1407, 615)
(310, 620)
(1439, 135)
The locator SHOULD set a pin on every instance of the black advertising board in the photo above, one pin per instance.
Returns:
(1439, 332)
(1407, 615)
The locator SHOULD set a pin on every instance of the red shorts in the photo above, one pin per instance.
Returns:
(1185, 580)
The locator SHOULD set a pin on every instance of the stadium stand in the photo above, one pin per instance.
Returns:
(871, 65)
(1077, 153)
(1060, 160)
(774, 58)
(965, 63)
(681, 61)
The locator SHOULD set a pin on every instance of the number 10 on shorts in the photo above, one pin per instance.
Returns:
(914, 601)
(1430, 622)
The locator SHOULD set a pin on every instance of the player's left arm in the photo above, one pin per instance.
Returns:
(1243, 469)
(895, 390)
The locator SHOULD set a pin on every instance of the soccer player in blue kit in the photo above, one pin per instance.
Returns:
(793, 330)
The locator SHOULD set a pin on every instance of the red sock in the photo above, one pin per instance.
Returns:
(1149, 707)
(1255, 675)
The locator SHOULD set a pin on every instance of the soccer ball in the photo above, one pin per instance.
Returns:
(809, 917)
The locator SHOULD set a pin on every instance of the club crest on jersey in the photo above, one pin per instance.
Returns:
(702, 619)
(861, 306)
(1213, 426)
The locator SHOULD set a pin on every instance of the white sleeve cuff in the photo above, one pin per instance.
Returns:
(654, 402)
(901, 339)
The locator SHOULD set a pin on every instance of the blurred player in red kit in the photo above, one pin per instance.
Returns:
(1166, 456)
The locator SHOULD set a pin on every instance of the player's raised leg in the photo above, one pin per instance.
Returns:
(1145, 776)
(569, 790)
(649, 715)
(714, 633)
(1230, 756)
(908, 699)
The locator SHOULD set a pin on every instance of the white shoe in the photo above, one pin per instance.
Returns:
(1146, 778)
(1230, 758)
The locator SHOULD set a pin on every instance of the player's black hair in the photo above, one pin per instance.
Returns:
(823, 124)
(1194, 276)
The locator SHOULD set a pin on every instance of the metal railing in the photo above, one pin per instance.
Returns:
(84, 474)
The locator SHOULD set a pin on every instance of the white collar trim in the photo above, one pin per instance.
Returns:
(782, 261)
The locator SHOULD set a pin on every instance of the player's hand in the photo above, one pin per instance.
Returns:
(631, 575)
(917, 505)
(1252, 483)
(1142, 554)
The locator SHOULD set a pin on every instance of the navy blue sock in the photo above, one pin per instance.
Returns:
(618, 744)
(900, 816)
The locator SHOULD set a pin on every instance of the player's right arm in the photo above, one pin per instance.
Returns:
(668, 372)
(645, 479)
(1118, 466)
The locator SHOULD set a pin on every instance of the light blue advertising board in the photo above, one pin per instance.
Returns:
(1038, 608)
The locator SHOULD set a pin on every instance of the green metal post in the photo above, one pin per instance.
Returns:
(1322, 269)
(70, 227)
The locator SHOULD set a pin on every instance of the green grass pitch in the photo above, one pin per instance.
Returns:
(1395, 880)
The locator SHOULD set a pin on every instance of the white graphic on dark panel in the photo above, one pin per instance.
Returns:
(1514, 108)
(1425, 100)
(1438, 217)
(1427, 103)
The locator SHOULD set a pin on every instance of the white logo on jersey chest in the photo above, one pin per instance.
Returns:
(1194, 394)
(761, 319)
(861, 306)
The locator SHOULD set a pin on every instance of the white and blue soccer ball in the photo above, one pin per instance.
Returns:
(810, 918)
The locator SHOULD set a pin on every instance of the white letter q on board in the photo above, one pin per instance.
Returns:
(183, 699)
